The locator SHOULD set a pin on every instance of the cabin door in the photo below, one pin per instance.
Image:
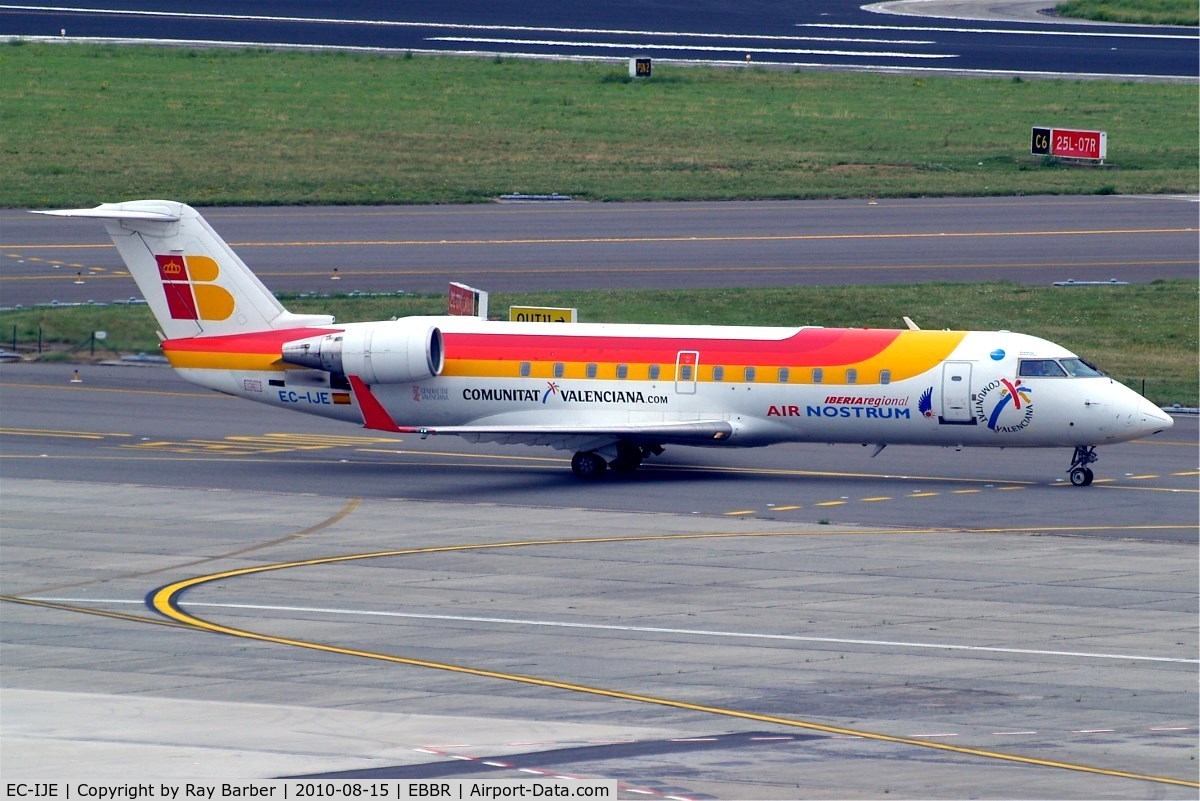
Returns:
(686, 364)
(956, 393)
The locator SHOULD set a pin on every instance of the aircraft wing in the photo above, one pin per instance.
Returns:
(586, 438)
(564, 437)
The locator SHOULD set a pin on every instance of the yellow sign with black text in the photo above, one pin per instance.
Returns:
(541, 314)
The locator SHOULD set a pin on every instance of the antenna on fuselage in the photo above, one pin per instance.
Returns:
(911, 325)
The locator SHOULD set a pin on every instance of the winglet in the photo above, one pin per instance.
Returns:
(375, 417)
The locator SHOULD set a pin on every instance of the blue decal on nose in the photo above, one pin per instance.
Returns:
(997, 354)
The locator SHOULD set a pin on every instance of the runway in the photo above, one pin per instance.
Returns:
(210, 588)
(1009, 38)
(565, 246)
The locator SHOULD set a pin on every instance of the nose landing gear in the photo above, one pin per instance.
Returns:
(1081, 474)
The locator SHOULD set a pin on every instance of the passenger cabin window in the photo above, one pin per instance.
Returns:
(885, 376)
(558, 369)
(622, 371)
(749, 374)
(654, 372)
(525, 369)
(1041, 368)
(1078, 368)
(818, 375)
(591, 370)
(718, 373)
(852, 376)
(685, 372)
(783, 375)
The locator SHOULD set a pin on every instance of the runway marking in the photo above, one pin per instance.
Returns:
(166, 600)
(349, 507)
(652, 630)
(86, 388)
(50, 432)
(387, 23)
(241, 445)
(632, 46)
(607, 269)
(628, 240)
(97, 612)
(1146, 489)
(1053, 31)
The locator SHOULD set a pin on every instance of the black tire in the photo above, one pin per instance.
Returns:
(588, 464)
(1081, 476)
(629, 458)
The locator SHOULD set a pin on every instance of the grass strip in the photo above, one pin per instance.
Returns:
(1137, 333)
(89, 124)
(1139, 12)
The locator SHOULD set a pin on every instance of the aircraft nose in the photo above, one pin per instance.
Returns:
(1151, 419)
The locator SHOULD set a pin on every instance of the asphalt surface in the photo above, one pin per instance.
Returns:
(822, 34)
(682, 651)
(147, 426)
(788, 622)
(562, 246)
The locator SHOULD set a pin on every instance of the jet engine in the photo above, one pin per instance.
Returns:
(393, 352)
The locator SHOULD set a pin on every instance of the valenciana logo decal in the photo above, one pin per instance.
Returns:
(569, 396)
(1005, 406)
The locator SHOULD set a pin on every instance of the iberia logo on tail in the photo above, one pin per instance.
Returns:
(188, 282)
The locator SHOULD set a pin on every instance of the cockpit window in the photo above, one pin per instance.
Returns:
(1078, 368)
(1042, 368)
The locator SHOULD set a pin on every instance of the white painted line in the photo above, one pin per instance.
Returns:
(705, 48)
(387, 23)
(1016, 31)
(648, 630)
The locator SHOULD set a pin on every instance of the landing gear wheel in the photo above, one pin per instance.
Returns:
(1081, 474)
(629, 458)
(588, 464)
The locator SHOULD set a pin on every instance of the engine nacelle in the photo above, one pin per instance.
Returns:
(393, 352)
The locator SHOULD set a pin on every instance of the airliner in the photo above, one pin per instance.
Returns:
(613, 395)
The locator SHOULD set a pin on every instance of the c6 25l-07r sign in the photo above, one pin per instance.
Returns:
(1070, 144)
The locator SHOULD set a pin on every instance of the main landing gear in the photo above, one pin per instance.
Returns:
(1081, 474)
(624, 457)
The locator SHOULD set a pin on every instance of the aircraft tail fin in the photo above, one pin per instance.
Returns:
(194, 282)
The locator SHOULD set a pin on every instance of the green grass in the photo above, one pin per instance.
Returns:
(1144, 12)
(1135, 333)
(84, 125)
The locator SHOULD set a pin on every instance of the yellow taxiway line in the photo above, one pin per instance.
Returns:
(166, 600)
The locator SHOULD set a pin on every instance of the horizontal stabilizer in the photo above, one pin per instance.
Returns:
(114, 211)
